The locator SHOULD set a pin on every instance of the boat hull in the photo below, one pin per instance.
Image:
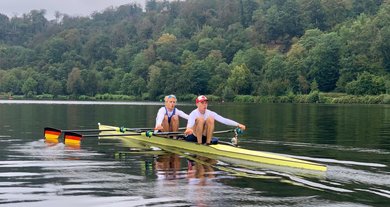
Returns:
(217, 150)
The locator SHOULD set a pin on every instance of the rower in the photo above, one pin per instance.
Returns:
(200, 125)
(167, 119)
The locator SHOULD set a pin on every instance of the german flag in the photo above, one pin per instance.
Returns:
(51, 135)
(72, 139)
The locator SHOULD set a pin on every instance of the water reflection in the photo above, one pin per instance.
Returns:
(201, 168)
(168, 166)
(52, 172)
(351, 139)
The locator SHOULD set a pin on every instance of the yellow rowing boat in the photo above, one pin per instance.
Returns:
(219, 150)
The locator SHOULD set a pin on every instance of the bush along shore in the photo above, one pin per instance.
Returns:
(313, 97)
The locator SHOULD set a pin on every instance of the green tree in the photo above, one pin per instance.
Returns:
(126, 56)
(206, 45)
(164, 79)
(54, 87)
(295, 61)
(239, 80)
(367, 83)
(254, 59)
(142, 61)
(92, 82)
(167, 48)
(284, 20)
(133, 85)
(357, 53)
(336, 11)
(53, 49)
(195, 77)
(275, 68)
(75, 84)
(323, 61)
(15, 56)
(4, 22)
(11, 83)
(154, 85)
(98, 47)
(29, 87)
(313, 14)
(247, 7)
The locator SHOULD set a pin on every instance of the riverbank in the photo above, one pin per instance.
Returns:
(315, 97)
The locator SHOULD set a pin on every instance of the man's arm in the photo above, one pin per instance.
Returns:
(182, 114)
(227, 121)
(190, 123)
(160, 118)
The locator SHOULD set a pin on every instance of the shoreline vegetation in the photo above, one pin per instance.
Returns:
(313, 97)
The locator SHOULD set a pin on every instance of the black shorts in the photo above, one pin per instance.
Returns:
(192, 138)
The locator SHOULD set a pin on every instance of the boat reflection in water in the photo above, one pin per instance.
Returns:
(172, 166)
(244, 164)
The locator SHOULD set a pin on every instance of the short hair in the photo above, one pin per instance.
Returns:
(169, 96)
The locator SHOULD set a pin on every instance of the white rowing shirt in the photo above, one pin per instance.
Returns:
(196, 114)
(163, 111)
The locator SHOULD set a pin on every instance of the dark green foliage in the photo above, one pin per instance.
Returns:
(227, 49)
(367, 83)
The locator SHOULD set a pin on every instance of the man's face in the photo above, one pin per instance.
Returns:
(202, 106)
(170, 103)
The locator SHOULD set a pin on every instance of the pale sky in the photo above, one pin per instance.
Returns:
(13, 8)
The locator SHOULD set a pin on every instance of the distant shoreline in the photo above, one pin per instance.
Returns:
(315, 97)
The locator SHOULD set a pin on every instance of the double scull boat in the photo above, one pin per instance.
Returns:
(215, 150)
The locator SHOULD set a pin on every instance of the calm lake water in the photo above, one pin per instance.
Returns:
(352, 140)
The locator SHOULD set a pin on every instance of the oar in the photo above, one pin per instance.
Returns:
(86, 130)
(120, 129)
(150, 133)
(74, 139)
(53, 134)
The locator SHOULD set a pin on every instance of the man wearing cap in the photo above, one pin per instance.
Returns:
(167, 119)
(200, 125)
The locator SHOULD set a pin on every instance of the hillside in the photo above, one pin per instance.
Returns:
(218, 47)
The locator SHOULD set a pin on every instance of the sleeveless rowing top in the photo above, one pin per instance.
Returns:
(170, 116)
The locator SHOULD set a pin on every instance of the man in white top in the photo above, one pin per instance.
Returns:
(167, 119)
(200, 125)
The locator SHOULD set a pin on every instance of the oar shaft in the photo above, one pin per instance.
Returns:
(224, 131)
(109, 135)
(107, 130)
(87, 130)
(182, 134)
(155, 134)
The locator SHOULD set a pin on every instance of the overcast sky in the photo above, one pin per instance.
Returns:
(71, 7)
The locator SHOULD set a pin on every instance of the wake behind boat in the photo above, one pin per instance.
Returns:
(219, 150)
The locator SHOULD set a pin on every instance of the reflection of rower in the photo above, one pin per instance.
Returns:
(201, 167)
(168, 165)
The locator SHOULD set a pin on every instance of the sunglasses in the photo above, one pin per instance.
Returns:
(171, 96)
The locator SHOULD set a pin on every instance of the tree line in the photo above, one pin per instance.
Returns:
(218, 47)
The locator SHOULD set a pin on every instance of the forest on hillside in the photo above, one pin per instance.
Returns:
(216, 47)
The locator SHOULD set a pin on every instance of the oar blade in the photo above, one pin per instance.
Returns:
(72, 139)
(51, 134)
